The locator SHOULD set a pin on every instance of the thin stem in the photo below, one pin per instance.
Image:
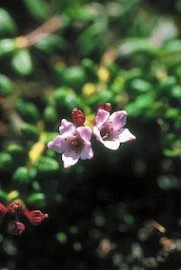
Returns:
(47, 28)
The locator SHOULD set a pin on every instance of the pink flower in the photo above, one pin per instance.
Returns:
(109, 129)
(73, 143)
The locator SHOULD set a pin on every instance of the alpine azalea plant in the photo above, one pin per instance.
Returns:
(74, 139)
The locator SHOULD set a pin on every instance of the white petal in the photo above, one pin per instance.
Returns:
(70, 158)
(85, 133)
(97, 134)
(113, 145)
(126, 136)
(87, 152)
(101, 117)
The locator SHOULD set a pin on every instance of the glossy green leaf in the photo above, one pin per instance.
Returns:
(21, 175)
(39, 9)
(30, 132)
(6, 86)
(7, 46)
(22, 63)
(7, 25)
(28, 111)
(47, 164)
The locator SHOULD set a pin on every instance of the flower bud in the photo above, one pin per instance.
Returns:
(35, 217)
(17, 228)
(105, 106)
(78, 117)
(14, 208)
(3, 211)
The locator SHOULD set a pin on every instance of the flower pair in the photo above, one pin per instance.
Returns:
(74, 140)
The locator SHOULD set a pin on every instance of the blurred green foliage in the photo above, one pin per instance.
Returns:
(101, 51)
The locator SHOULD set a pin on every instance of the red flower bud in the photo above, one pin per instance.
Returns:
(3, 211)
(17, 228)
(78, 117)
(14, 208)
(105, 106)
(35, 217)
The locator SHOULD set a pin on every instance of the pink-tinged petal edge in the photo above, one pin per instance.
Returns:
(87, 152)
(101, 117)
(56, 144)
(70, 158)
(126, 136)
(67, 127)
(119, 118)
(96, 133)
(85, 133)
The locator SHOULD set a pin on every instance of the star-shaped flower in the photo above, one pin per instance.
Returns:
(73, 143)
(110, 130)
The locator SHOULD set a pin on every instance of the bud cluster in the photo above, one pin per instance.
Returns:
(16, 209)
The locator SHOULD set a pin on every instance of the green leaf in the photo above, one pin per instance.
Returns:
(16, 151)
(73, 76)
(37, 199)
(6, 86)
(21, 175)
(47, 165)
(50, 114)
(30, 132)
(50, 43)
(92, 37)
(3, 195)
(7, 25)
(140, 85)
(7, 46)
(142, 105)
(21, 62)
(171, 47)
(39, 9)
(132, 46)
(28, 111)
(6, 161)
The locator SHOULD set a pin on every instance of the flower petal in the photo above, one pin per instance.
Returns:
(67, 127)
(58, 144)
(85, 133)
(97, 134)
(113, 145)
(101, 117)
(87, 152)
(70, 158)
(126, 136)
(118, 119)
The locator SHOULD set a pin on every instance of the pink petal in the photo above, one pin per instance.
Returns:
(126, 136)
(58, 144)
(85, 133)
(87, 152)
(67, 127)
(70, 158)
(101, 117)
(113, 145)
(118, 119)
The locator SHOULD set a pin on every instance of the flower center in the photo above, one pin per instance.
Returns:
(77, 144)
(105, 133)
